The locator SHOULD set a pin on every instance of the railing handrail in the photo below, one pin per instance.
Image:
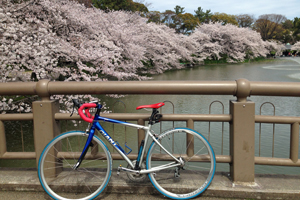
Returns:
(240, 88)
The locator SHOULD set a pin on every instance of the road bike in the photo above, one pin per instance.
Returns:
(179, 162)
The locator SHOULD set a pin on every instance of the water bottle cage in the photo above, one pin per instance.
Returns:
(130, 150)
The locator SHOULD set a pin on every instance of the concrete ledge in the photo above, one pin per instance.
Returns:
(264, 187)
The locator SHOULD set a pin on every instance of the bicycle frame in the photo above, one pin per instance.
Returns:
(97, 125)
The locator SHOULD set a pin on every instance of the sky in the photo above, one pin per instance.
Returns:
(288, 8)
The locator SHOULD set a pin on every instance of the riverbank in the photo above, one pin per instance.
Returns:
(217, 62)
(223, 61)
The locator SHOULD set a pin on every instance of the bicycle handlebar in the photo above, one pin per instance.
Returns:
(86, 107)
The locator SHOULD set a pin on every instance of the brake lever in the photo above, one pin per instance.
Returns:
(75, 104)
(72, 110)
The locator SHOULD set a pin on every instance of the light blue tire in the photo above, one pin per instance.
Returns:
(191, 178)
(56, 173)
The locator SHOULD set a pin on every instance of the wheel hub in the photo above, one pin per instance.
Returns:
(182, 162)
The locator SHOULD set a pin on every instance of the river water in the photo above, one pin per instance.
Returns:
(279, 69)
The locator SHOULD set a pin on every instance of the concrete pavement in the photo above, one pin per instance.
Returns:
(24, 184)
(17, 195)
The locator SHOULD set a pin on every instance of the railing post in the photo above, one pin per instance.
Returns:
(190, 139)
(2, 139)
(242, 134)
(242, 141)
(45, 126)
(294, 146)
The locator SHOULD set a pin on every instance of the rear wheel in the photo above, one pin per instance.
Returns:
(197, 167)
(56, 172)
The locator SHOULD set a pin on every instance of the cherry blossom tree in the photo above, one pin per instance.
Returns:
(234, 43)
(296, 46)
(64, 40)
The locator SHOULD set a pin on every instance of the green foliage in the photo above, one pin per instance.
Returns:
(126, 5)
(288, 24)
(296, 29)
(168, 17)
(203, 17)
(111, 4)
(286, 36)
(179, 10)
(187, 23)
(182, 22)
(154, 16)
(209, 62)
(134, 6)
(224, 18)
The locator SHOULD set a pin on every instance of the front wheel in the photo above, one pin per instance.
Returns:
(197, 167)
(56, 173)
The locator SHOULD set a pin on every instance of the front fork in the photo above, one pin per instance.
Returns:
(86, 146)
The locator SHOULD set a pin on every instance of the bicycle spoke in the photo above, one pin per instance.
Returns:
(196, 153)
(62, 157)
(87, 171)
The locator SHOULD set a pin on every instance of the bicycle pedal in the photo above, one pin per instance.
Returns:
(119, 170)
(177, 173)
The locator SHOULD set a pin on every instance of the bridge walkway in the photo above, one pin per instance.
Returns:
(20, 184)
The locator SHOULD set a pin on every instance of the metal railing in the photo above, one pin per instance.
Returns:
(241, 117)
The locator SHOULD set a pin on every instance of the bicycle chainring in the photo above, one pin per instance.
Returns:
(139, 178)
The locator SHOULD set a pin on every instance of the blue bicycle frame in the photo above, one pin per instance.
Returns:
(97, 125)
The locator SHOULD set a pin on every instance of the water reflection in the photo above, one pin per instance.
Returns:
(282, 70)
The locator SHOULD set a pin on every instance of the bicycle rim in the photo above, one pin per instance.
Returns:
(56, 163)
(191, 178)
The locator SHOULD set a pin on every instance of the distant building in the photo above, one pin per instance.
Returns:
(287, 50)
(288, 46)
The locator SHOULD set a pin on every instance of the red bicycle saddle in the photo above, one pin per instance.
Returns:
(157, 105)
